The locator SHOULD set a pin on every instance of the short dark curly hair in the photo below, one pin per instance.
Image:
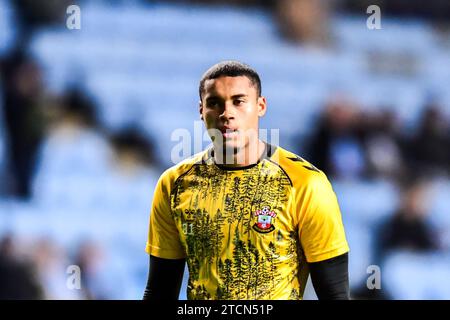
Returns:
(230, 68)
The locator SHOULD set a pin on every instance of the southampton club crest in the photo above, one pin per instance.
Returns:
(264, 223)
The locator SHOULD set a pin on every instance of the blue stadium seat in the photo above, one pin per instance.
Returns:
(413, 276)
(8, 28)
(360, 241)
(163, 22)
(380, 200)
(396, 34)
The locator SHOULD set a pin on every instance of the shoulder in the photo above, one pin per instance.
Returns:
(172, 174)
(300, 171)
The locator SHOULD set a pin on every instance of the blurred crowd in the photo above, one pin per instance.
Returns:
(353, 144)
(45, 135)
(34, 118)
(43, 131)
(41, 269)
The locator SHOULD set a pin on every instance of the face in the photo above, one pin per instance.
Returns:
(230, 109)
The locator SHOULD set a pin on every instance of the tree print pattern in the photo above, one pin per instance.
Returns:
(227, 259)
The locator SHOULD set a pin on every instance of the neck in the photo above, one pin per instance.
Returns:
(250, 154)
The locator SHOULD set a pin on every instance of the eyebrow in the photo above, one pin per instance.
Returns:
(241, 95)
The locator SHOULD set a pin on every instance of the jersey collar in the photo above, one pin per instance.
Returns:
(208, 158)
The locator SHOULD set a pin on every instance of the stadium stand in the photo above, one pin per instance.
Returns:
(141, 63)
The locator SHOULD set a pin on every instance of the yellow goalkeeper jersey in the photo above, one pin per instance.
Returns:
(246, 233)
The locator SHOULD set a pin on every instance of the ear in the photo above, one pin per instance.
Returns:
(200, 108)
(262, 106)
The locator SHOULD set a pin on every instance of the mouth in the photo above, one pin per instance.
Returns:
(228, 133)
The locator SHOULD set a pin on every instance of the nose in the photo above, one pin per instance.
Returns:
(228, 112)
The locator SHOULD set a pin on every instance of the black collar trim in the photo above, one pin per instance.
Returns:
(269, 150)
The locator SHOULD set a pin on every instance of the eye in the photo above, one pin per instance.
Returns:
(238, 102)
(212, 103)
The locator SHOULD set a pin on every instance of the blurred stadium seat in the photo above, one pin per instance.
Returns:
(412, 276)
(7, 31)
(366, 202)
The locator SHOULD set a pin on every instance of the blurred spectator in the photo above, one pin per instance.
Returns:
(336, 147)
(134, 171)
(383, 144)
(76, 110)
(74, 147)
(94, 282)
(34, 14)
(408, 228)
(73, 124)
(17, 276)
(51, 262)
(304, 21)
(429, 148)
(24, 119)
(133, 150)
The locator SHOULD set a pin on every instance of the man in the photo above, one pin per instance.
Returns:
(251, 220)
